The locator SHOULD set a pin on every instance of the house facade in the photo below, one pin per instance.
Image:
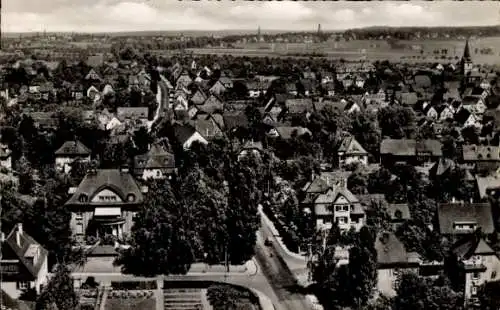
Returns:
(70, 152)
(104, 203)
(156, 164)
(24, 263)
(392, 261)
(473, 263)
(350, 152)
(338, 206)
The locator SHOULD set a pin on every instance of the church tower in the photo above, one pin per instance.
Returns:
(466, 60)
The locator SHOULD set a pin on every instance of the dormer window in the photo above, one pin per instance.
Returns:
(398, 214)
(130, 197)
(480, 156)
(83, 198)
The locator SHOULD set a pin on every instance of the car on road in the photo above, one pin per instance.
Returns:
(268, 242)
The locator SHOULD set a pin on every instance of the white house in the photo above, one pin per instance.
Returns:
(24, 263)
(350, 151)
(338, 206)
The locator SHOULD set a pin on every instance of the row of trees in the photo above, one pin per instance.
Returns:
(208, 213)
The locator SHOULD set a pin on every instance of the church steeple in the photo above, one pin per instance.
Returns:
(466, 60)
(466, 55)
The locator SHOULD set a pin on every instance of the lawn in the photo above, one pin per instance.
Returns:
(130, 304)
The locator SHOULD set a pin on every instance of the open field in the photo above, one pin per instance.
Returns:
(407, 51)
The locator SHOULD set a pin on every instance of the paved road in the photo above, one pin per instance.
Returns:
(280, 278)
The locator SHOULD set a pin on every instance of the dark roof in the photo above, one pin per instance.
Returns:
(442, 166)
(73, 148)
(24, 250)
(410, 147)
(471, 245)
(234, 120)
(183, 132)
(120, 182)
(478, 213)
(390, 250)
(156, 158)
(461, 116)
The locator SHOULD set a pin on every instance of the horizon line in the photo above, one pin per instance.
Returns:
(244, 30)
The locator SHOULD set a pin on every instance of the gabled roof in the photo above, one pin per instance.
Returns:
(479, 213)
(471, 245)
(156, 158)
(390, 251)
(442, 166)
(183, 132)
(350, 146)
(120, 182)
(208, 128)
(324, 181)
(22, 251)
(75, 148)
(486, 184)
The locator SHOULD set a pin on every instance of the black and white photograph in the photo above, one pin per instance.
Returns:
(249, 155)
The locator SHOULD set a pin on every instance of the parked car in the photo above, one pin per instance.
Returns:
(268, 242)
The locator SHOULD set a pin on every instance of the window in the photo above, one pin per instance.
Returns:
(493, 275)
(158, 173)
(23, 285)
(83, 198)
(130, 197)
(473, 291)
(338, 208)
(79, 215)
(475, 275)
(107, 198)
(342, 220)
(79, 229)
(345, 208)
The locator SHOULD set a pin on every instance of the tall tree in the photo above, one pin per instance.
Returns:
(59, 293)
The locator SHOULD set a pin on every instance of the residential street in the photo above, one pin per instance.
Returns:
(280, 277)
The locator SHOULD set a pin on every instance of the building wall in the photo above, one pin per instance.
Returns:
(387, 280)
(63, 164)
(11, 289)
(156, 174)
(492, 273)
(363, 159)
(42, 275)
(6, 163)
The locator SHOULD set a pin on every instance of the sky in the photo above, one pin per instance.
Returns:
(144, 15)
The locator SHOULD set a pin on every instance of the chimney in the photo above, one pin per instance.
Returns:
(19, 233)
